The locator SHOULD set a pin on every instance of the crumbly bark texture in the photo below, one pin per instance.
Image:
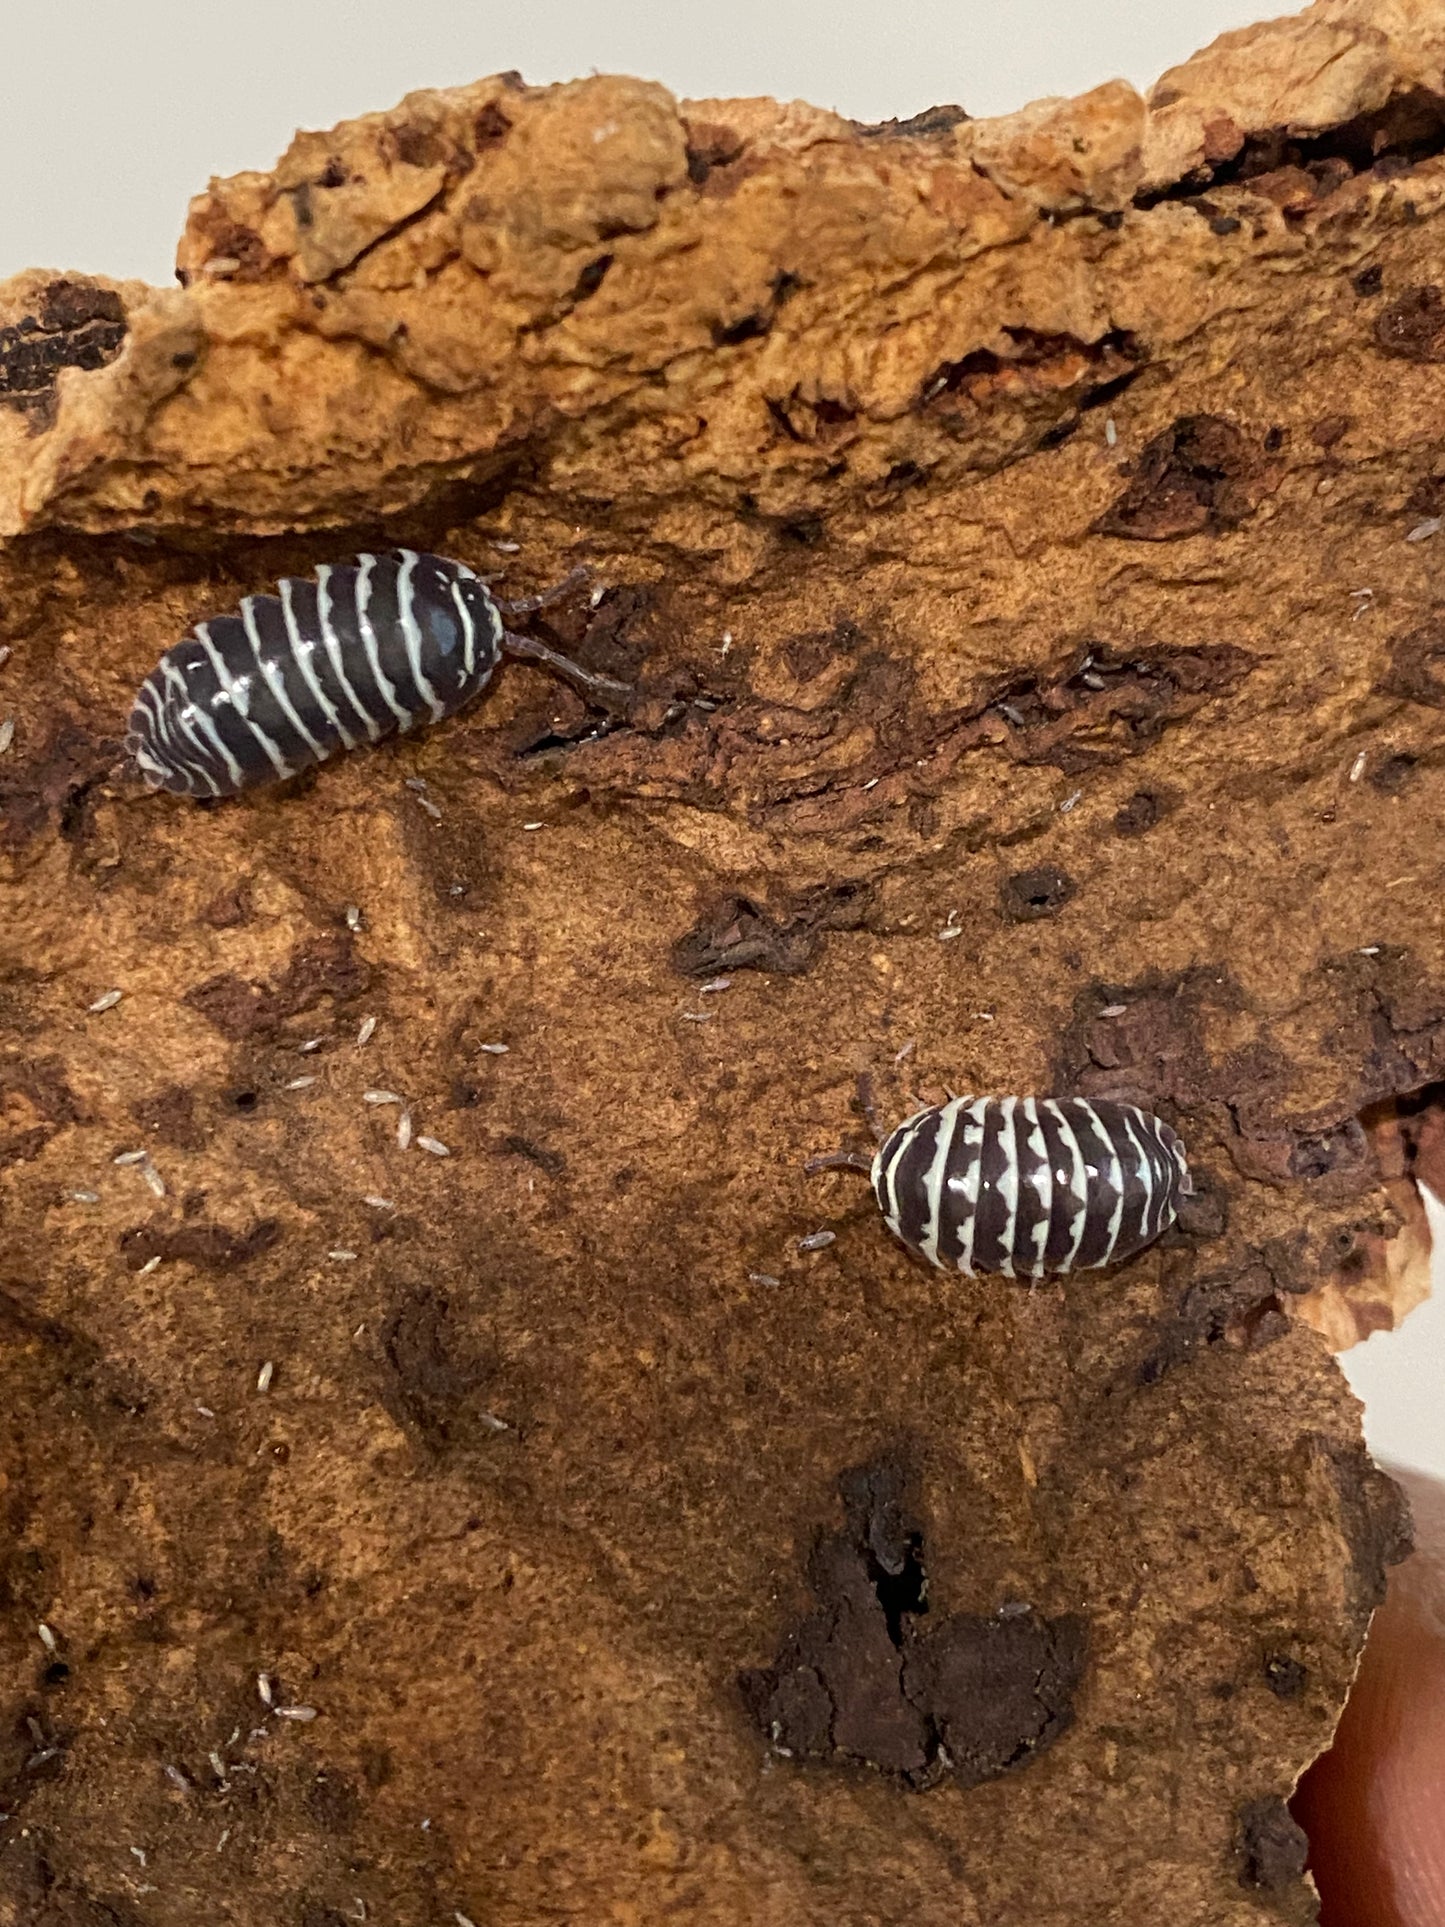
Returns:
(1022, 538)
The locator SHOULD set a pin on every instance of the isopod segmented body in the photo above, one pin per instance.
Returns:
(361, 651)
(358, 653)
(1029, 1186)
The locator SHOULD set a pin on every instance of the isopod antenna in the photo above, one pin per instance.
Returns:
(605, 691)
(848, 1158)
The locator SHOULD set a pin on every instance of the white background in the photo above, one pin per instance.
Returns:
(114, 112)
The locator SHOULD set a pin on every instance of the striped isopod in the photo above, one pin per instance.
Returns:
(359, 652)
(1030, 1187)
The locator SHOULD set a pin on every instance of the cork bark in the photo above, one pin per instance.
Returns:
(1022, 536)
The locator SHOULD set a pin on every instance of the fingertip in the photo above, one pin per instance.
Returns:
(1374, 1805)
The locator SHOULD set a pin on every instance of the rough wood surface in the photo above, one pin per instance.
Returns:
(1021, 534)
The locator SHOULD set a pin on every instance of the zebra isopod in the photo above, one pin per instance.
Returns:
(1029, 1187)
(360, 651)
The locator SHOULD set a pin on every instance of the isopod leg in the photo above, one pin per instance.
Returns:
(848, 1159)
(529, 605)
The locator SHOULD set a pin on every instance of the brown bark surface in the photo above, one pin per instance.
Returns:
(1022, 536)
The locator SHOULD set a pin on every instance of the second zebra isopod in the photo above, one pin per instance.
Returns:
(1030, 1187)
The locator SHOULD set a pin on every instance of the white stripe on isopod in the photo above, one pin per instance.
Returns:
(237, 688)
(237, 691)
(275, 681)
(1042, 1179)
(335, 653)
(303, 647)
(1008, 1182)
(933, 1182)
(1146, 1178)
(469, 632)
(1114, 1176)
(369, 642)
(157, 703)
(1077, 1183)
(904, 1136)
(180, 713)
(411, 633)
(271, 748)
(970, 1178)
